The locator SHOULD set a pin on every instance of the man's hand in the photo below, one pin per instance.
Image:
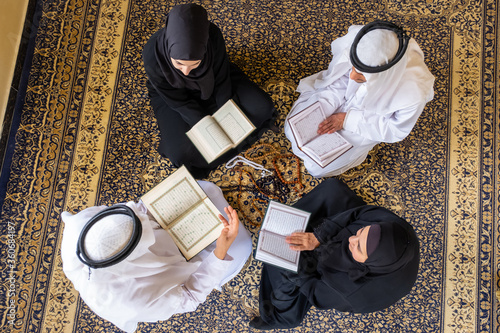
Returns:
(332, 124)
(228, 234)
(302, 241)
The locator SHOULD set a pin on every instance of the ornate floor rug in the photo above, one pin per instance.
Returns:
(87, 136)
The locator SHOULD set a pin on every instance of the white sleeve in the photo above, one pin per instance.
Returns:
(187, 296)
(390, 127)
(331, 97)
(201, 283)
(184, 297)
(334, 94)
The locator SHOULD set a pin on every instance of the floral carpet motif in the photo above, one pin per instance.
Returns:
(88, 136)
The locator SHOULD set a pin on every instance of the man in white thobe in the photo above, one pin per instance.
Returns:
(154, 281)
(374, 98)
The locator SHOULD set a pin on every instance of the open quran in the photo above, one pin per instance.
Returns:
(322, 149)
(225, 129)
(280, 221)
(183, 209)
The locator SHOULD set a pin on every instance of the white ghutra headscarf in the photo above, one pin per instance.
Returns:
(406, 83)
(154, 267)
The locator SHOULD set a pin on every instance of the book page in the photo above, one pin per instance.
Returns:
(276, 246)
(327, 144)
(182, 208)
(173, 196)
(305, 124)
(284, 220)
(280, 221)
(234, 122)
(209, 138)
(196, 229)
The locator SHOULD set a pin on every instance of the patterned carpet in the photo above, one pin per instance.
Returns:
(88, 136)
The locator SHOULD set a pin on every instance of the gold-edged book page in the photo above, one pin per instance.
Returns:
(181, 207)
(171, 198)
(209, 138)
(196, 229)
(234, 122)
(304, 124)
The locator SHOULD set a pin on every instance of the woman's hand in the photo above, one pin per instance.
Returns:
(302, 241)
(332, 124)
(228, 234)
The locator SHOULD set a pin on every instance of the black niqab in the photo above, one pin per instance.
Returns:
(186, 37)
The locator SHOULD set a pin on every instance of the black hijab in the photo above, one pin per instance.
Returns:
(398, 246)
(186, 37)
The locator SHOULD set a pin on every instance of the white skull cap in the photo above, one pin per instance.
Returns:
(108, 236)
(377, 47)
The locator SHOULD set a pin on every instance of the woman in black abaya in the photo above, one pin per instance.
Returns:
(355, 258)
(189, 77)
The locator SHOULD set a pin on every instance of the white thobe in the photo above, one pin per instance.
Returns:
(364, 125)
(155, 281)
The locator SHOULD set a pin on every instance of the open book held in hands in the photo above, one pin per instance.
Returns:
(181, 207)
(280, 221)
(322, 149)
(225, 129)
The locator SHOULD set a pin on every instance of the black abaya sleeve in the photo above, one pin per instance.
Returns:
(332, 225)
(221, 67)
(329, 198)
(324, 297)
(364, 297)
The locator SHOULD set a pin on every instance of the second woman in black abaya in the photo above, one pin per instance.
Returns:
(189, 77)
(330, 276)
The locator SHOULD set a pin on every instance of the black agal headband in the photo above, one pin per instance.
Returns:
(403, 45)
(123, 253)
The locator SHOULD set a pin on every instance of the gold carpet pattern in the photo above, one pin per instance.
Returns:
(88, 137)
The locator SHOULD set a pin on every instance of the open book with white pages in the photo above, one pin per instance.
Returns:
(322, 149)
(182, 208)
(280, 221)
(225, 129)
